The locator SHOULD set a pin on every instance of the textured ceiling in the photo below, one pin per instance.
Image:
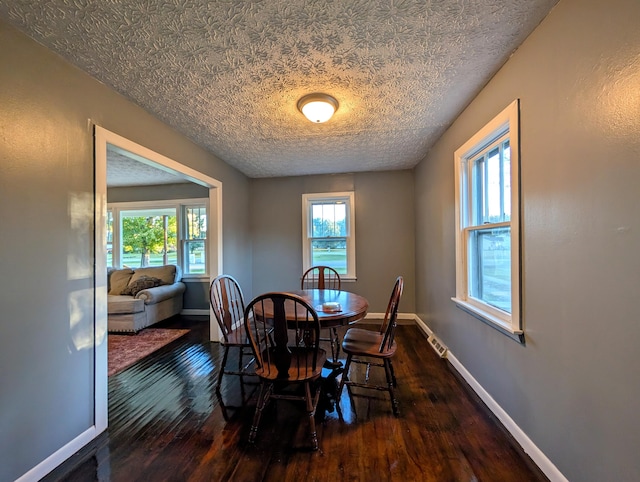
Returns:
(228, 74)
(127, 169)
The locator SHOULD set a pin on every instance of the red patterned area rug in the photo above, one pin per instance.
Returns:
(125, 350)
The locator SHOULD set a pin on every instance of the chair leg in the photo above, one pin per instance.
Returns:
(222, 368)
(393, 375)
(225, 414)
(345, 377)
(265, 392)
(388, 369)
(336, 341)
(241, 374)
(311, 410)
(343, 381)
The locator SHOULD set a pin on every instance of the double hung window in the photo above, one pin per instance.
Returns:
(195, 238)
(328, 232)
(143, 234)
(487, 223)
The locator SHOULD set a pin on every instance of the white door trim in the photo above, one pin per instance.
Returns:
(102, 138)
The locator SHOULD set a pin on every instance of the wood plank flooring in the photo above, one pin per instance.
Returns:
(166, 424)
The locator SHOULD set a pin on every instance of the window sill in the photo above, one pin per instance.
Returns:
(194, 278)
(491, 320)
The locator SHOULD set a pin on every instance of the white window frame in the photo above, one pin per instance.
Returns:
(178, 205)
(349, 199)
(506, 122)
(184, 241)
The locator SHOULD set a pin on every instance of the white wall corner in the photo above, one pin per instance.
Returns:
(423, 327)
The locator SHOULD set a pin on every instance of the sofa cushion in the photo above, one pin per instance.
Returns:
(142, 283)
(119, 280)
(166, 273)
(117, 304)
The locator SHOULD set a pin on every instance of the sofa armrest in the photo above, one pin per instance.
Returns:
(161, 293)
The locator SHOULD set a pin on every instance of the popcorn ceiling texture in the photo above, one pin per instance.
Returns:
(228, 73)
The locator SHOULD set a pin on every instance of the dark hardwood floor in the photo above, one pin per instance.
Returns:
(166, 424)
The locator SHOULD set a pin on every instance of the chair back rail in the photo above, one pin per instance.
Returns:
(320, 277)
(227, 303)
(388, 327)
(284, 331)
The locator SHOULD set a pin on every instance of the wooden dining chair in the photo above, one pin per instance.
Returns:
(227, 302)
(374, 348)
(284, 333)
(325, 278)
(320, 277)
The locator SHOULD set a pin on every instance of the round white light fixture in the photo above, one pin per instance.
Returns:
(318, 107)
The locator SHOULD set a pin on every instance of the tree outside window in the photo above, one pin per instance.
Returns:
(149, 238)
(149, 233)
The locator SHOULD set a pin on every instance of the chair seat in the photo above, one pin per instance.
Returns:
(300, 368)
(358, 341)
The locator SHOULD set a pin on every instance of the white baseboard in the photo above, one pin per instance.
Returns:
(403, 318)
(58, 457)
(193, 312)
(423, 326)
(538, 457)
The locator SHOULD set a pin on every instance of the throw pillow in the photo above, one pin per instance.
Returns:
(118, 280)
(142, 283)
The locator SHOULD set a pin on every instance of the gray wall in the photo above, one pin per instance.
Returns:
(155, 193)
(47, 113)
(196, 297)
(384, 232)
(574, 387)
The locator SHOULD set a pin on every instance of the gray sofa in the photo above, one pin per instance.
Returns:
(141, 297)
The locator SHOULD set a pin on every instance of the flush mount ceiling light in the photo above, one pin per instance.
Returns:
(318, 107)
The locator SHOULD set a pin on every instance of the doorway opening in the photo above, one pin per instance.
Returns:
(104, 141)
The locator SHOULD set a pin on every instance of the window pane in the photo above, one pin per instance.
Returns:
(194, 262)
(330, 252)
(506, 166)
(490, 266)
(477, 193)
(491, 186)
(196, 222)
(328, 219)
(149, 237)
(493, 203)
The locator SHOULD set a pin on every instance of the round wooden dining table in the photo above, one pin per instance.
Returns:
(335, 307)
